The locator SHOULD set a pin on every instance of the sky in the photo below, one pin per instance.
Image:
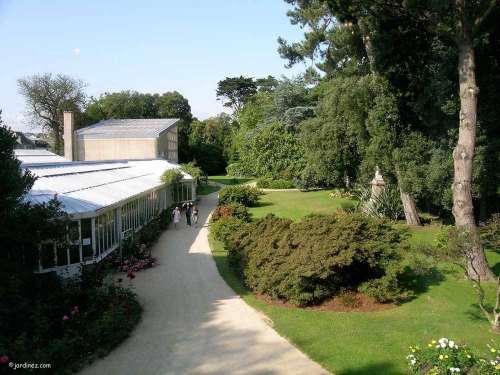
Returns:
(147, 46)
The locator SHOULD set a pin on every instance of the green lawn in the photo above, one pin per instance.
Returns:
(376, 342)
(204, 189)
(228, 180)
(296, 204)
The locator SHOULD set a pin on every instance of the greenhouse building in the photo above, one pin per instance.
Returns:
(106, 201)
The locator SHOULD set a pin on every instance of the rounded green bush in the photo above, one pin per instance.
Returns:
(243, 194)
(224, 228)
(308, 261)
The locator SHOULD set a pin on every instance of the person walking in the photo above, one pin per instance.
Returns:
(176, 216)
(189, 211)
(195, 215)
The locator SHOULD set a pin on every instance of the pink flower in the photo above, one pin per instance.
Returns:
(4, 359)
(65, 317)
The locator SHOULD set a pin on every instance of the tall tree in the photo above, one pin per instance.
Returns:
(47, 96)
(235, 91)
(463, 23)
(338, 33)
(173, 105)
(467, 18)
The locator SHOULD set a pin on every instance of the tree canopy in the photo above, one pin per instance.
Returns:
(47, 96)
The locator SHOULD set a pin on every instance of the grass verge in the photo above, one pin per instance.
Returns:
(206, 189)
(370, 343)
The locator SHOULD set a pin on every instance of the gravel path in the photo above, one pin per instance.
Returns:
(193, 323)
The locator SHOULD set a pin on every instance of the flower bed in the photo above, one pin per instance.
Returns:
(445, 356)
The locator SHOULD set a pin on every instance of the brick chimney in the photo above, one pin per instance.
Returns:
(69, 129)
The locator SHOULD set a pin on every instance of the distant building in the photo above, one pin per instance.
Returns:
(23, 142)
(123, 139)
(28, 141)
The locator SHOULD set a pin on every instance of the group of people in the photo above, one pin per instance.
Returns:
(191, 211)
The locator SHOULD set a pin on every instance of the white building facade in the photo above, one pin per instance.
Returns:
(106, 201)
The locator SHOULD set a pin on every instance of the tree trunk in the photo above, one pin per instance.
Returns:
(367, 42)
(409, 207)
(463, 155)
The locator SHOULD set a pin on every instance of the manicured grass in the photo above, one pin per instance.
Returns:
(297, 204)
(228, 180)
(204, 189)
(375, 342)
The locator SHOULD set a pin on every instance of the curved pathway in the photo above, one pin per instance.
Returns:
(193, 323)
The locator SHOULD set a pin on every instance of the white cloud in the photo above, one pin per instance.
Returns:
(76, 51)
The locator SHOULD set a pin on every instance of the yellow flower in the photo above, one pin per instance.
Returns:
(493, 350)
(441, 357)
(446, 356)
(430, 345)
(433, 341)
(468, 356)
(497, 367)
(413, 350)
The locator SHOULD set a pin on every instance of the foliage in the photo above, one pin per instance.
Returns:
(326, 43)
(235, 91)
(236, 210)
(47, 96)
(23, 226)
(490, 232)
(171, 176)
(266, 143)
(308, 261)
(66, 324)
(193, 170)
(353, 131)
(15, 182)
(386, 205)
(444, 356)
(343, 193)
(242, 194)
(271, 183)
(223, 228)
(269, 150)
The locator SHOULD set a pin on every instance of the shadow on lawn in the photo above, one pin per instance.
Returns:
(382, 368)
(264, 204)
(420, 284)
(496, 269)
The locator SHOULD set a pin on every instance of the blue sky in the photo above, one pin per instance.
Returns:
(148, 46)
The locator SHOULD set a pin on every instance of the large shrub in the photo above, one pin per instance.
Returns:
(243, 194)
(311, 260)
(225, 227)
(68, 324)
(236, 210)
